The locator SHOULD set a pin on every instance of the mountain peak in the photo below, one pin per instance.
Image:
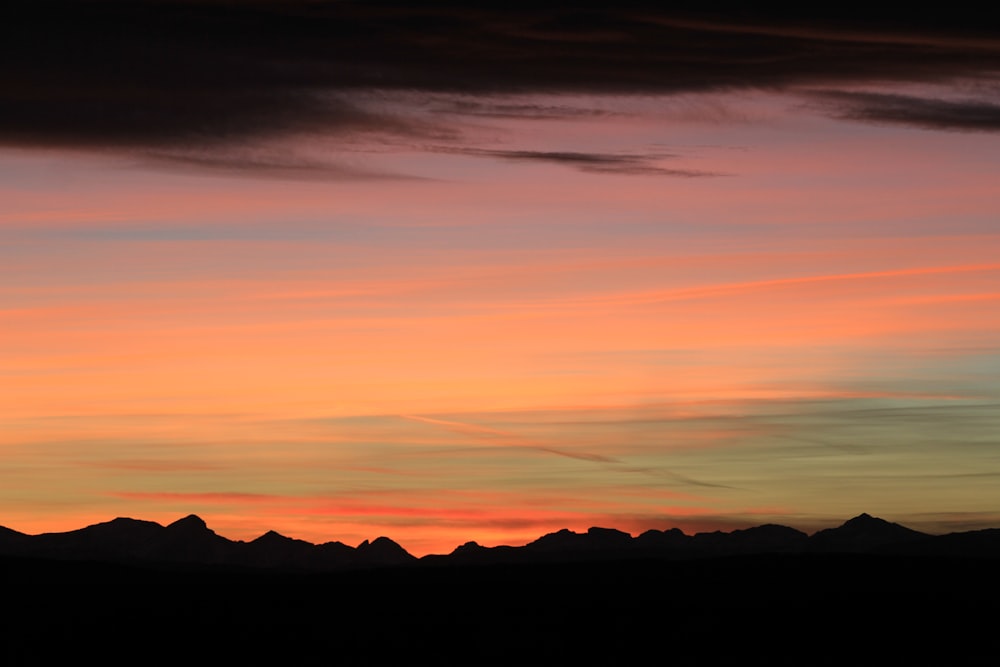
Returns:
(125, 522)
(863, 533)
(271, 536)
(383, 543)
(613, 533)
(190, 522)
(867, 522)
(382, 551)
(472, 545)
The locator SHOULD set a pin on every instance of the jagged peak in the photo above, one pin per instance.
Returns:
(668, 531)
(867, 521)
(384, 546)
(596, 530)
(469, 547)
(272, 536)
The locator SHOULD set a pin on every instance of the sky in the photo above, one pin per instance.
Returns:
(443, 274)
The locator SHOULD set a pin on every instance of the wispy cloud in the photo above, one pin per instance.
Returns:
(709, 291)
(644, 164)
(498, 437)
(966, 115)
(492, 108)
(506, 438)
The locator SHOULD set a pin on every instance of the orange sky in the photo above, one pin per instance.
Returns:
(466, 346)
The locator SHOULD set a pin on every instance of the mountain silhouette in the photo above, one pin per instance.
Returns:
(975, 543)
(595, 539)
(769, 538)
(863, 533)
(190, 542)
(273, 549)
(673, 538)
(10, 537)
(383, 551)
(120, 539)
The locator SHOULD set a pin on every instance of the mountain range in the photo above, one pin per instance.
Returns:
(189, 542)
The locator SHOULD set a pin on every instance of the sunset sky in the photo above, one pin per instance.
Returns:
(442, 274)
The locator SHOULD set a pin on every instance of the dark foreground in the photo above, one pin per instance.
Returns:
(791, 609)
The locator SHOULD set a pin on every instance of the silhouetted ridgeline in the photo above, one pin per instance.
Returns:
(189, 542)
(867, 592)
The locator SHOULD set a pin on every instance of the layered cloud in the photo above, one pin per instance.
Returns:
(191, 76)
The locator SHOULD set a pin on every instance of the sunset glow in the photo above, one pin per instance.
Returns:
(489, 315)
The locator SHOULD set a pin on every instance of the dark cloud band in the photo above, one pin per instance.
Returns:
(930, 113)
(154, 73)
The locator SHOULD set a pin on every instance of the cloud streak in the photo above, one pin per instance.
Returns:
(503, 438)
(966, 115)
(604, 163)
(497, 437)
